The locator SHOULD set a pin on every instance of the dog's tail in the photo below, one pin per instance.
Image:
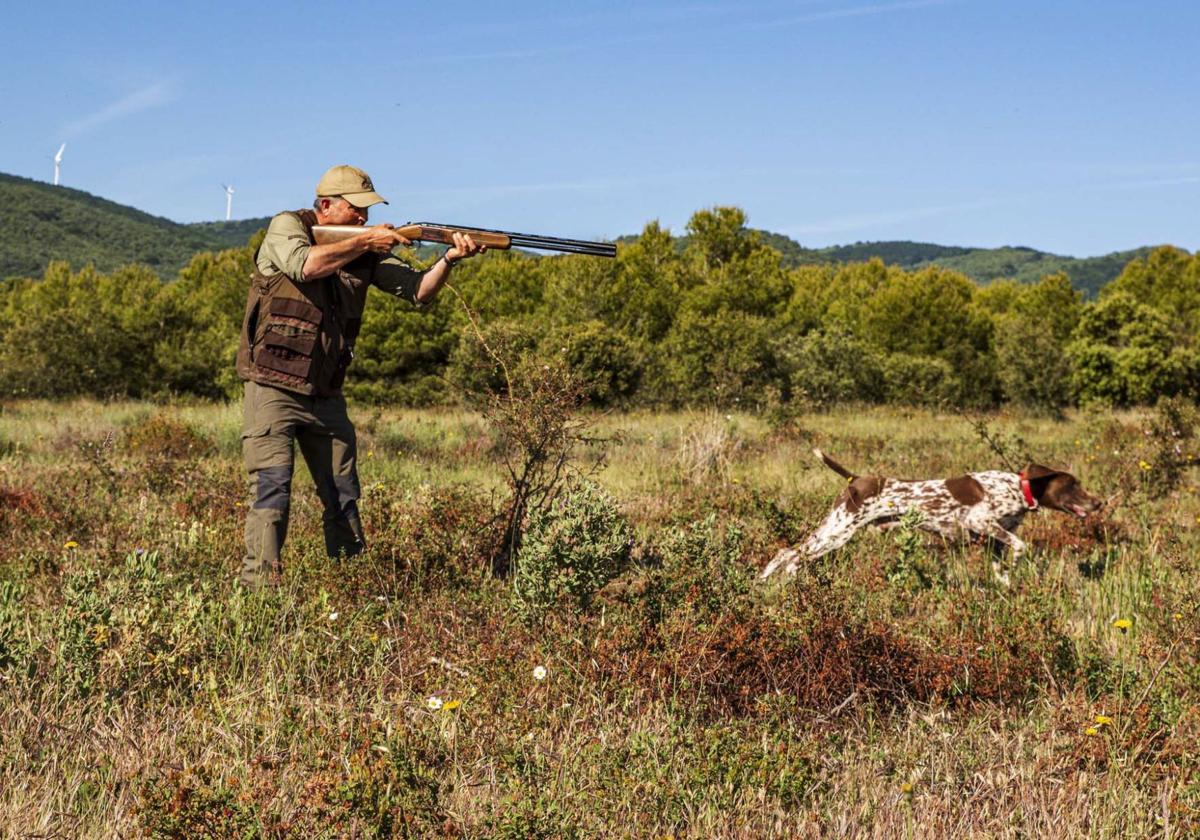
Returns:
(835, 466)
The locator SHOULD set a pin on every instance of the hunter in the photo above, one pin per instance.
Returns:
(303, 315)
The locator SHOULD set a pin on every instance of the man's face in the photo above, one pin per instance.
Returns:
(338, 211)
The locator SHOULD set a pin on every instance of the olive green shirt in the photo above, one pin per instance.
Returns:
(285, 248)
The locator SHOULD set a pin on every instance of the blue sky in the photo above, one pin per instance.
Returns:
(1067, 125)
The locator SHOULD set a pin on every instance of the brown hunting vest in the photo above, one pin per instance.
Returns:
(300, 336)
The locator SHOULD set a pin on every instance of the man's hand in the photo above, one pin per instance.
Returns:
(381, 239)
(464, 247)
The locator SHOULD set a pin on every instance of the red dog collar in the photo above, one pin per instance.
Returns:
(1027, 492)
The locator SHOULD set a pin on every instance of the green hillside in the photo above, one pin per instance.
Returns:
(1026, 265)
(59, 223)
(983, 265)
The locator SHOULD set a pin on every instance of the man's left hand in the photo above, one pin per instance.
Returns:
(464, 247)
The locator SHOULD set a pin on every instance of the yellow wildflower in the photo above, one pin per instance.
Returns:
(1103, 720)
(70, 544)
(1091, 731)
(906, 788)
(451, 706)
(1178, 616)
(1123, 624)
(1144, 466)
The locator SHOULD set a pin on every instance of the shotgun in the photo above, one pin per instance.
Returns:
(499, 239)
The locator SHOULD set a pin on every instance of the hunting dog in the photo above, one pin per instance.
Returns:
(984, 505)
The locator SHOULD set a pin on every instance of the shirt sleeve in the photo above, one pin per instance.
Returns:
(396, 277)
(285, 247)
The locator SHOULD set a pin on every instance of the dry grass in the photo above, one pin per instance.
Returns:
(141, 695)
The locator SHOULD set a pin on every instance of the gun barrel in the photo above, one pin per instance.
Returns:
(541, 243)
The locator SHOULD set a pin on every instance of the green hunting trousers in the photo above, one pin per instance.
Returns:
(273, 420)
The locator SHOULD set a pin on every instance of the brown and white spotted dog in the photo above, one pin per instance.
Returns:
(988, 505)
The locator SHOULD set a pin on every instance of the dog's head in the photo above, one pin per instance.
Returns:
(1059, 490)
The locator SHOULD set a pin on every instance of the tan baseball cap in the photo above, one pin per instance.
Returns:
(350, 183)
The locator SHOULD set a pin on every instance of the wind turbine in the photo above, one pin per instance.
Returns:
(228, 202)
(58, 162)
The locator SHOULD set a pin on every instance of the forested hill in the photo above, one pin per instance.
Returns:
(44, 223)
(983, 265)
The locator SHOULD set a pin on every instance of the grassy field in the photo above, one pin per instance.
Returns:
(891, 690)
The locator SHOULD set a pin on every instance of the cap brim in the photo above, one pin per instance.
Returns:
(364, 199)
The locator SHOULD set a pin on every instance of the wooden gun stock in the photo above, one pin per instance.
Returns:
(443, 234)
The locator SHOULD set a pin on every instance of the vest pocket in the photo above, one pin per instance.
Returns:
(289, 337)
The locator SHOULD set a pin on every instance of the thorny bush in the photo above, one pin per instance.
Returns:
(570, 550)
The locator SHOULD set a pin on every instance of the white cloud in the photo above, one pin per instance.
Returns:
(854, 11)
(159, 93)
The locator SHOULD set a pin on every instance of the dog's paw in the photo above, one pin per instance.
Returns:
(785, 555)
(1000, 575)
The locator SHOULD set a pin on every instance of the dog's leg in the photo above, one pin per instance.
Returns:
(833, 533)
(784, 555)
(1000, 537)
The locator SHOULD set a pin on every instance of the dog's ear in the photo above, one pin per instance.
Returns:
(1036, 472)
(1039, 478)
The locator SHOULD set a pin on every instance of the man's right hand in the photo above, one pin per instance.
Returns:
(381, 239)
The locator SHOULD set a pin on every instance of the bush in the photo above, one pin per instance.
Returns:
(1124, 354)
(161, 437)
(702, 571)
(14, 645)
(474, 369)
(606, 362)
(720, 359)
(570, 550)
(831, 366)
(920, 380)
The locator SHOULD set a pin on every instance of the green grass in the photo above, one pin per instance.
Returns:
(885, 691)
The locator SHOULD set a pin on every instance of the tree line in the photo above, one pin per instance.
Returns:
(721, 322)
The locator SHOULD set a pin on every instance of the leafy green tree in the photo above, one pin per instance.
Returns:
(82, 333)
(830, 366)
(722, 359)
(1168, 279)
(609, 364)
(644, 291)
(719, 237)
(203, 310)
(1031, 340)
(929, 313)
(402, 353)
(1124, 353)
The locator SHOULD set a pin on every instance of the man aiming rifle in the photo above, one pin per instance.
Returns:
(303, 315)
(308, 290)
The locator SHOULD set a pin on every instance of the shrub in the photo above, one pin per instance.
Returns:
(1169, 436)
(475, 368)
(84, 629)
(702, 571)
(162, 437)
(726, 358)
(920, 380)
(570, 550)
(831, 366)
(14, 644)
(607, 363)
(1124, 353)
